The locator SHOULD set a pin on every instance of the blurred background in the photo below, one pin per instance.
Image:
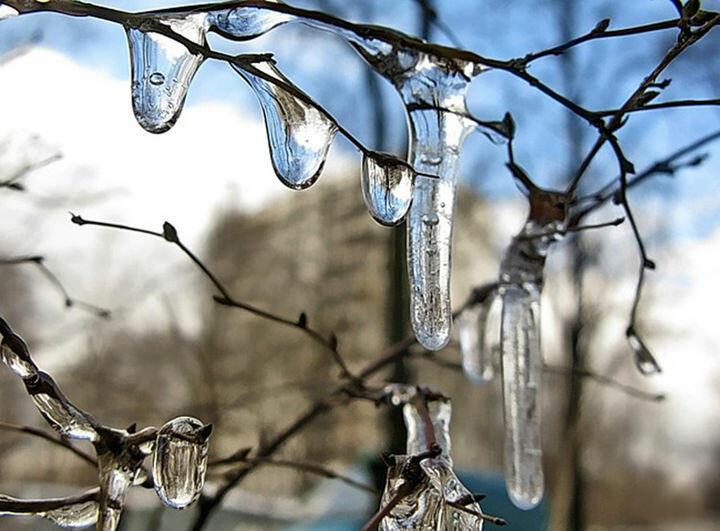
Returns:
(612, 460)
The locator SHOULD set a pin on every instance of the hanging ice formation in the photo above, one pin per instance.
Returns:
(521, 280)
(476, 348)
(161, 68)
(180, 461)
(299, 134)
(431, 483)
(433, 89)
(78, 512)
(386, 184)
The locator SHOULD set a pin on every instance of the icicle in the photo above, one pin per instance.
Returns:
(522, 371)
(427, 420)
(644, 360)
(246, 22)
(433, 90)
(71, 513)
(299, 135)
(162, 69)
(477, 355)
(62, 415)
(181, 461)
(521, 281)
(7, 12)
(386, 184)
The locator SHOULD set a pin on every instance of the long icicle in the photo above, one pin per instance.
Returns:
(521, 281)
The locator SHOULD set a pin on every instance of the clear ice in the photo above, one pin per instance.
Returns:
(245, 22)
(299, 134)
(162, 69)
(644, 360)
(521, 281)
(477, 355)
(180, 461)
(424, 507)
(433, 91)
(386, 184)
(69, 513)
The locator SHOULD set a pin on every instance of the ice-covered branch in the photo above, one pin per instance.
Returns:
(179, 447)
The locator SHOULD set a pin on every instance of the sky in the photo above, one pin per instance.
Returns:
(72, 90)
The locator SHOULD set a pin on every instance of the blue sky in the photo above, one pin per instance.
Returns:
(326, 67)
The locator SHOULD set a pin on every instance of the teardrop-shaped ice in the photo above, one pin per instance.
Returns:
(62, 415)
(7, 12)
(299, 134)
(477, 355)
(644, 360)
(386, 184)
(72, 513)
(162, 70)
(180, 461)
(246, 22)
(522, 373)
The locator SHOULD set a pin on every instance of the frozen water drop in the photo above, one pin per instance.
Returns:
(7, 12)
(477, 355)
(162, 70)
(180, 461)
(386, 187)
(522, 373)
(644, 360)
(299, 134)
(430, 219)
(246, 22)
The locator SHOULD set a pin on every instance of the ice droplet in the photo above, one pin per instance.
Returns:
(82, 512)
(180, 461)
(162, 70)
(7, 12)
(644, 360)
(299, 134)
(522, 373)
(386, 184)
(425, 506)
(246, 22)
(477, 355)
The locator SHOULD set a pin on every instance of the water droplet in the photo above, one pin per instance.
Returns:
(246, 22)
(430, 219)
(157, 78)
(386, 187)
(7, 12)
(162, 70)
(180, 461)
(299, 134)
(522, 374)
